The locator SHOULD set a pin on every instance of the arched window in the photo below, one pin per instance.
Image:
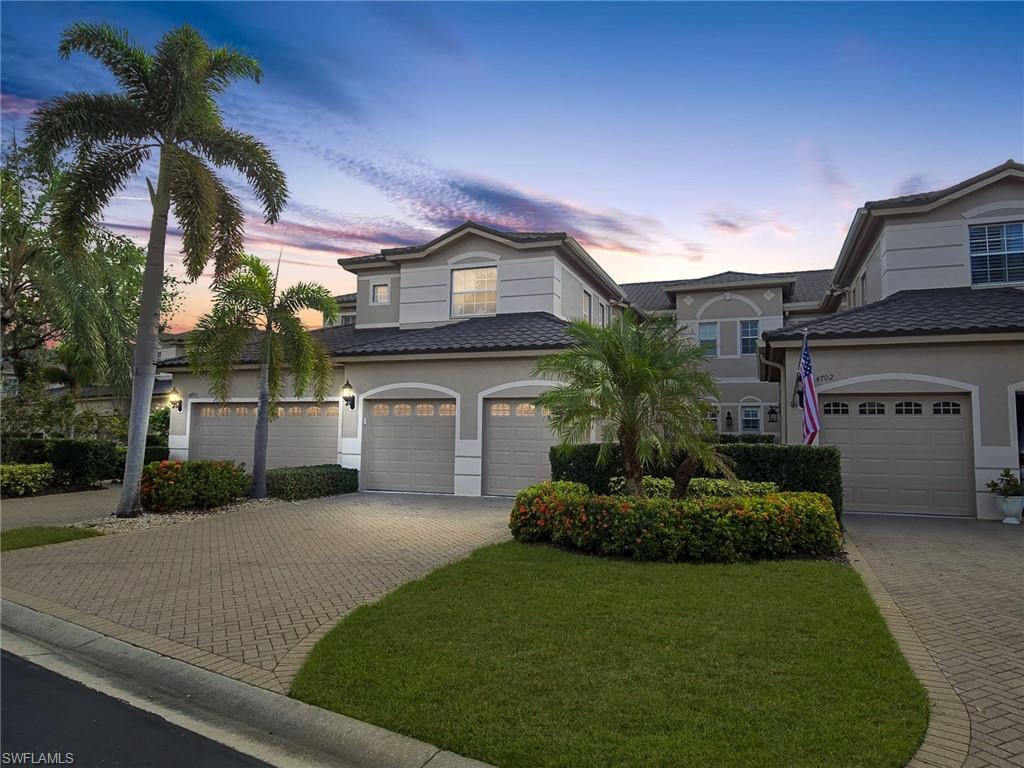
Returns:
(526, 409)
(207, 411)
(946, 408)
(836, 408)
(545, 411)
(871, 408)
(313, 410)
(446, 409)
(379, 409)
(241, 411)
(403, 409)
(331, 411)
(425, 409)
(501, 409)
(907, 408)
(280, 411)
(223, 411)
(295, 410)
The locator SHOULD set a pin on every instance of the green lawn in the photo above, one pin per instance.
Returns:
(38, 535)
(527, 656)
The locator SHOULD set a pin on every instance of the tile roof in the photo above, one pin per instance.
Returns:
(345, 298)
(515, 237)
(809, 285)
(923, 198)
(919, 313)
(522, 330)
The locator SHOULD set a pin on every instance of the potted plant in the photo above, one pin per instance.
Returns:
(1009, 493)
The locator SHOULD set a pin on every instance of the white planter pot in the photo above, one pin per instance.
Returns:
(1010, 508)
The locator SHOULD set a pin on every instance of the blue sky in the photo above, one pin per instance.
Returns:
(672, 139)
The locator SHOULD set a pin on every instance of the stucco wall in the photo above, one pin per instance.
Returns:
(370, 315)
(988, 371)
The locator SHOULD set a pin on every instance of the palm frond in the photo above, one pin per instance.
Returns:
(84, 119)
(228, 232)
(195, 195)
(179, 65)
(217, 343)
(129, 63)
(313, 296)
(228, 64)
(250, 157)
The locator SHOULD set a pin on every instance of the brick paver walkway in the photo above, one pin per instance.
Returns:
(248, 594)
(58, 508)
(960, 585)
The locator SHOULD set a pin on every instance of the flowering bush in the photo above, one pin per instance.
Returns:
(22, 479)
(701, 529)
(169, 486)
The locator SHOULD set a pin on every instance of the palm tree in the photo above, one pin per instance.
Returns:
(165, 104)
(247, 304)
(640, 383)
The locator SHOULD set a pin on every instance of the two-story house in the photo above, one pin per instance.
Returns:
(917, 339)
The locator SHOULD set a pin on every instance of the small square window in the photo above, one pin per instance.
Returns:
(380, 409)
(501, 409)
(403, 409)
(837, 408)
(446, 409)
(425, 409)
(380, 293)
(526, 409)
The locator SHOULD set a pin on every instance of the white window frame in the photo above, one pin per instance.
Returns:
(756, 336)
(718, 340)
(452, 294)
(373, 293)
(588, 306)
(743, 419)
(1005, 253)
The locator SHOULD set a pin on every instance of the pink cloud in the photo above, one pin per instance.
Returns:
(17, 106)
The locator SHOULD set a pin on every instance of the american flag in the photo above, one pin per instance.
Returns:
(810, 398)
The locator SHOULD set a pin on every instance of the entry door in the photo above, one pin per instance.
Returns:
(903, 453)
(517, 441)
(409, 445)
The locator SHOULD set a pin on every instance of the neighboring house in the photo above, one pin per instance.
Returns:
(917, 337)
(346, 309)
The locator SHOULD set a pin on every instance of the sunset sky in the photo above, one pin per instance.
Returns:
(672, 140)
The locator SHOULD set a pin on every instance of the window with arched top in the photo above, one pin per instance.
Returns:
(907, 408)
(946, 408)
(871, 408)
(402, 409)
(836, 408)
(380, 409)
(295, 410)
(331, 411)
(545, 411)
(280, 411)
(425, 409)
(526, 409)
(223, 411)
(313, 410)
(241, 411)
(446, 409)
(501, 409)
(207, 411)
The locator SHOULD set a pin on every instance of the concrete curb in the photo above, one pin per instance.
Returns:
(948, 736)
(305, 734)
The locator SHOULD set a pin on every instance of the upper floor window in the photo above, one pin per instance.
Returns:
(997, 253)
(707, 336)
(347, 320)
(603, 320)
(749, 331)
(588, 307)
(863, 282)
(475, 291)
(380, 293)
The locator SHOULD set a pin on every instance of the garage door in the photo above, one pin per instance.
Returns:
(409, 445)
(906, 454)
(302, 434)
(517, 440)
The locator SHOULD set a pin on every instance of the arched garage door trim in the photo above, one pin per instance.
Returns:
(502, 388)
(409, 385)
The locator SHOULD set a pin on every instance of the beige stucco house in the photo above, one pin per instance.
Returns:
(917, 338)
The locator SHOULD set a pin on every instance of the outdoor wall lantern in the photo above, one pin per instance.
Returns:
(174, 399)
(348, 395)
(728, 419)
(773, 415)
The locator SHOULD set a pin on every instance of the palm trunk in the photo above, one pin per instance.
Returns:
(259, 452)
(634, 468)
(684, 474)
(144, 363)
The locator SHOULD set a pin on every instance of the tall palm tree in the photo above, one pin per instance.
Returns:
(165, 105)
(248, 305)
(640, 383)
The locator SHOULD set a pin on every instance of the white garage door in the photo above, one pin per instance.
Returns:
(409, 445)
(302, 434)
(517, 440)
(905, 453)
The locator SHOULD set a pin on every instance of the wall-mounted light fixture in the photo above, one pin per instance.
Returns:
(174, 399)
(728, 419)
(348, 395)
(773, 415)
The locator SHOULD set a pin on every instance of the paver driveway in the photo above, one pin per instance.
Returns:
(59, 508)
(960, 584)
(248, 594)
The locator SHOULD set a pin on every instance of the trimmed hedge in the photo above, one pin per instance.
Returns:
(654, 487)
(703, 529)
(790, 467)
(75, 462)
(151, 453)
(725, 489)
(293, 483)
(728, 438)
(170, 486)
(22, 479)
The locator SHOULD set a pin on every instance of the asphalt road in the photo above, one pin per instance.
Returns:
(42, 712)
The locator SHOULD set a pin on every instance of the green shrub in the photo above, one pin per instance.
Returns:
(727, 438)
(22, 479)
(708, 486)
(292, 483)
(75, 462)
(654, 487)
(150, 454)
(790, 467)
(701, 529)
(170, 486)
